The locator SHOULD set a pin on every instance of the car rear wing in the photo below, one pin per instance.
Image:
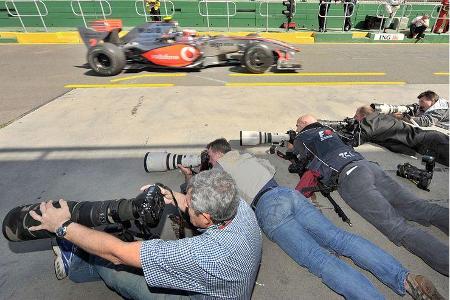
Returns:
(106, 25)
(102, 30)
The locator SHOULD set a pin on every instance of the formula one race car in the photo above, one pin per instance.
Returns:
(164, 45)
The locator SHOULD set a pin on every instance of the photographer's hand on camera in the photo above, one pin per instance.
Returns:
(187, 172)
(168, 199)
(93, 241)
(180, 199)
(290, 146)
(51, 217)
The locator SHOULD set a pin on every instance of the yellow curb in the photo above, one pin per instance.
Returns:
(359, 35)
(8, 35)
(48, 38)
(74, 38)
(287, 37)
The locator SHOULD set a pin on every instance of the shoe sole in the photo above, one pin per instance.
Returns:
(60, 271)
(424, 289)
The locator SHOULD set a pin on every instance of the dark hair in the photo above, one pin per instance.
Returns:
(365, 110)
(430, 95)
(220, 145)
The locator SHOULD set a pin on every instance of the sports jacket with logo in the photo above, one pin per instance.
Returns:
(319, 148)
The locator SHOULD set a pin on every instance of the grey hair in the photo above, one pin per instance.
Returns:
(214, 192)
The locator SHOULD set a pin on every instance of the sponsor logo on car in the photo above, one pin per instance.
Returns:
(177, 55)
(165, 56)
(188, 53)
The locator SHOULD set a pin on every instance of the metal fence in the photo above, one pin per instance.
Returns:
(204, 7)
(15, 9)
(209, 9)
(79, 9)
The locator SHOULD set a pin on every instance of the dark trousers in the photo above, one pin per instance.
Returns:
(417, 30)
(435, 144)
(155, 14)
(348, 10)
(389, 206)
(323, 11)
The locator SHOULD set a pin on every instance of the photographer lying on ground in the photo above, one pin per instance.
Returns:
(397, 136)
(372, 193)
(292, 222)
(220, 263)
(433, 110)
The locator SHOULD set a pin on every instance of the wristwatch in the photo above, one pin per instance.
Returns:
(61, 231)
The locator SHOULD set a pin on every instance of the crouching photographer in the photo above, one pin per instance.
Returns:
(372, 193)
(180, 267)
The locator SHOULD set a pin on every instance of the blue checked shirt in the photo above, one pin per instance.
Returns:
(218, 264)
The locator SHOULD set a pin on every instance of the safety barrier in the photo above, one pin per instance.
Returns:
(348, 6)
(164, 3)
(405, 9)
(228, 15)
(266, 14)
(83, 14)
(261, 15)
(17, 14)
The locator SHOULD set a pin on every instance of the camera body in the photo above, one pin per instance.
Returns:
(146, 210)
(422, 178)
(347, 125)
(345, 129)
(410, 109)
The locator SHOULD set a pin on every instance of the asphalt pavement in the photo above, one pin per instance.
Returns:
(89, 145)
(33, 75)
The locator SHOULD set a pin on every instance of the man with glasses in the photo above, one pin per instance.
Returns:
(220, 263)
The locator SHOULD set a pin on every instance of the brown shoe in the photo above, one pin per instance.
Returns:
(421, 288)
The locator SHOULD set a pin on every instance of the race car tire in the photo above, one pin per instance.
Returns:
(257, 58)
(106, 59)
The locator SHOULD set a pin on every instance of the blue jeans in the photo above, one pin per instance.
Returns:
(291, 221)
(127, 281)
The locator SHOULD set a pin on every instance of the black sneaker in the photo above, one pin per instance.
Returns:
(64, 252)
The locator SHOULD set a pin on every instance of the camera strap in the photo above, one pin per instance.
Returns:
(181, 230)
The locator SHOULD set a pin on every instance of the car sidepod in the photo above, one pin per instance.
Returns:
(175, 55)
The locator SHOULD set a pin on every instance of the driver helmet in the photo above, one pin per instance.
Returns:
(189, 32)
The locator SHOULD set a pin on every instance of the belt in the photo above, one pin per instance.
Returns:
(260, 194)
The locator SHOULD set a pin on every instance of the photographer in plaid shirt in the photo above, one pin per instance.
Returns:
(220, 263)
